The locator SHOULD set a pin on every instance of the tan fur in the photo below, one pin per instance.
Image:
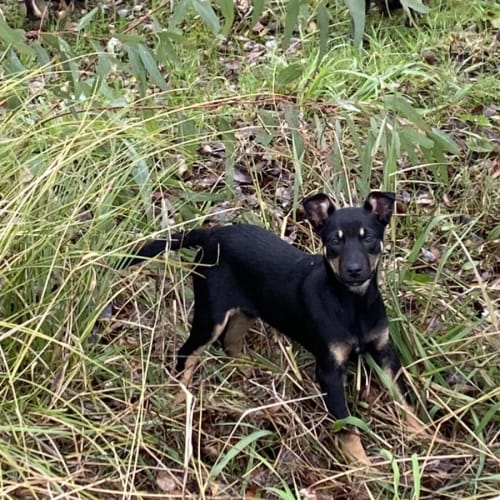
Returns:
(360, 289)
(340, 352)
(353, 448)
(187, 373)
(190, 365)
(236, 329)
(374, 260)
(379, 338)
(334, 264)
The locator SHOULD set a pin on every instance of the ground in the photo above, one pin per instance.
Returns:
(126, 121)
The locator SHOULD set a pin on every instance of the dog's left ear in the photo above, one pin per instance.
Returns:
(381, 205)
(318, 208)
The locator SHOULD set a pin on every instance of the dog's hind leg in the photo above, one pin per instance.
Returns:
(209, 323)
(200, 336)
(234, 333)
(203, 333)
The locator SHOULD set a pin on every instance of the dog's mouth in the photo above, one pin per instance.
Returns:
(357, 281)
(358, 287)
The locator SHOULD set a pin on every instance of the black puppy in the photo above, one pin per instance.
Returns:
(330, 304)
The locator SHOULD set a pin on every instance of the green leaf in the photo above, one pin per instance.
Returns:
(396, 474)
(494, 233)
(419, 243)
(179, 13)
(446, 142)
(258, 8)
(416, 5)
(235, 450)
(130, 39)
(285, 494)
(13, 63)
(402, 106)
(323, 20)
(104, 60)
(135, 61)
(14, 37)
(141, 175)
(227, 9)
(87, 18)
(207, 14)
(298, 148)
(480, 145)
(417, 477)
(416, 137)
(350, 420)
(408, 147)
(150, 65)
(358, 14)
(166, 49)
(289, 74)
(292, 14)
(41, 54)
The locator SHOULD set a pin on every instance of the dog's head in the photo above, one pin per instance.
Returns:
(352, 237)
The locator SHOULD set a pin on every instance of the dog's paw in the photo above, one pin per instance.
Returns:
(354, 449)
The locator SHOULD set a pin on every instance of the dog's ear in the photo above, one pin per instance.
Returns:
(318, 208)
(381, 205)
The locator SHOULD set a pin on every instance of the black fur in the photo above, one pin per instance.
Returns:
(330, 304)
(385, 6)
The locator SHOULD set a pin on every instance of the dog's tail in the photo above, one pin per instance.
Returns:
(189, 239)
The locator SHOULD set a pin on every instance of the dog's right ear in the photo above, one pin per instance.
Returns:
(318, 208)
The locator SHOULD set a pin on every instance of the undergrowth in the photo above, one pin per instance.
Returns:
(117, 130)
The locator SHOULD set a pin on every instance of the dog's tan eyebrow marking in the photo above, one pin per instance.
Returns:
(362, 232)
(340, 234)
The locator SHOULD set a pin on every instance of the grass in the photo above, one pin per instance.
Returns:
(96, 159)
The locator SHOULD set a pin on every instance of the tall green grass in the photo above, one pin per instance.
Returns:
(97, 158)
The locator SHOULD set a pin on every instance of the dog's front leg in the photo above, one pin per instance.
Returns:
(331, 375)
(386, 357)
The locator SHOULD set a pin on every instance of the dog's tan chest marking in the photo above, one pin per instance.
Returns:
(378, 337)
(340, 352)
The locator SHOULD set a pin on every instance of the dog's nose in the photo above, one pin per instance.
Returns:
(354, 270)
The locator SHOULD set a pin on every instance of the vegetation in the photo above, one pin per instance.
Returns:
(119, 126)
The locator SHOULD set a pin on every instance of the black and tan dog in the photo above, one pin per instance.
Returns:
(329, 304)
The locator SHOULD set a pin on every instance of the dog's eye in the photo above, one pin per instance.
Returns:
(334, 242)
(368, 239)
